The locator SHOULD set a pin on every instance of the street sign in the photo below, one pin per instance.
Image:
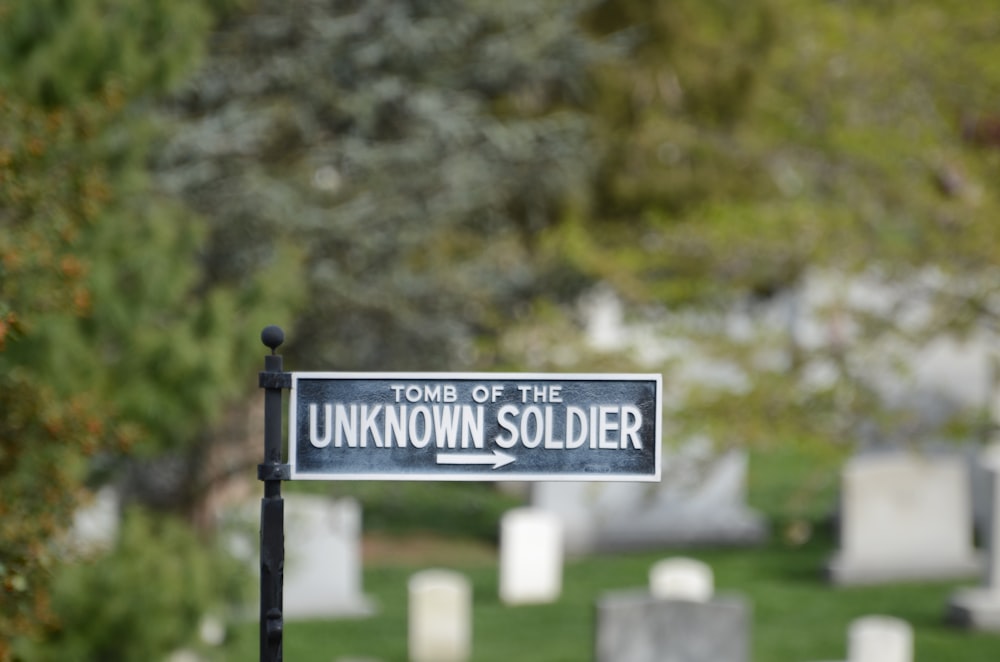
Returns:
(474, 426)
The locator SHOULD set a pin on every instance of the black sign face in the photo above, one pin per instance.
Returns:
(474, 426)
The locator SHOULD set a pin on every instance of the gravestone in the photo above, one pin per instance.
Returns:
(531, 557)
(96, 524)
(677, 620)
(440, 617)
(701, 499)
(979, 608)
(981, 461)
(681, 579)
(904, 516)
(879, 639)
(633, 626)
(323, 558)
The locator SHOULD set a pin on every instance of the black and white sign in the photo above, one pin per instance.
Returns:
(474, 426)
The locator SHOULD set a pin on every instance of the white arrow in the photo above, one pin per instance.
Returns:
(497, 459)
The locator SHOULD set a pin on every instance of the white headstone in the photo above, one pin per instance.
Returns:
(992, 575)
(212, 630)
(981, 470)
(879, 639)
(184, 655)
(322, 558)
(681, 579)
(95, 525)
(904, 516)
(531, 557)
(440, 617)
(979, 608)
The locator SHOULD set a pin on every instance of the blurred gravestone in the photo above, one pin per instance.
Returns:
(981, 462)
(531, 557)
(440, 617)
(979, 608)
(322, 558)
(904, 516)
(879, 639)
(95, 525)
(700, 500)
(681, 579)
(677, 620)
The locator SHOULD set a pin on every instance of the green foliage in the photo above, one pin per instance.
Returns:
(412, 148)
(144, 599)
(669, 110)
(843, 134)
(51, 192)
(41, 482)
(59, 52)
(110, 337)
(844, 138)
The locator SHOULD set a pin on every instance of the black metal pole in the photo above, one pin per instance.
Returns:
(272, 508)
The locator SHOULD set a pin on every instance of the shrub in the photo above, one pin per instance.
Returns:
(143, 599)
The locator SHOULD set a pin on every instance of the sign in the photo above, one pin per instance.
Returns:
(474, 426)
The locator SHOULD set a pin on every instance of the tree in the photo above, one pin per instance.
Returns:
(110, 340)
(415, 148)
(143, 599)
(758, 148)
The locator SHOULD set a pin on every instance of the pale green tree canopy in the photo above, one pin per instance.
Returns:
(753, 147)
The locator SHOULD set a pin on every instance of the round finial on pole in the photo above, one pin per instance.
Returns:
(272, 336)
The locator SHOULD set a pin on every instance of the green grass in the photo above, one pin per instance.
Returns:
(797, 617)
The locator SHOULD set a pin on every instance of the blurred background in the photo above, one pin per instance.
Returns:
(790, 210)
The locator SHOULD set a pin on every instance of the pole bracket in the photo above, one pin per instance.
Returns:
(275, 379)
(275, 625)
(274, 472)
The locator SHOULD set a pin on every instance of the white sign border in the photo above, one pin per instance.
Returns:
(480, 477)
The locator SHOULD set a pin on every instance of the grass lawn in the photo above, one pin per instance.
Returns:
(797, 617)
